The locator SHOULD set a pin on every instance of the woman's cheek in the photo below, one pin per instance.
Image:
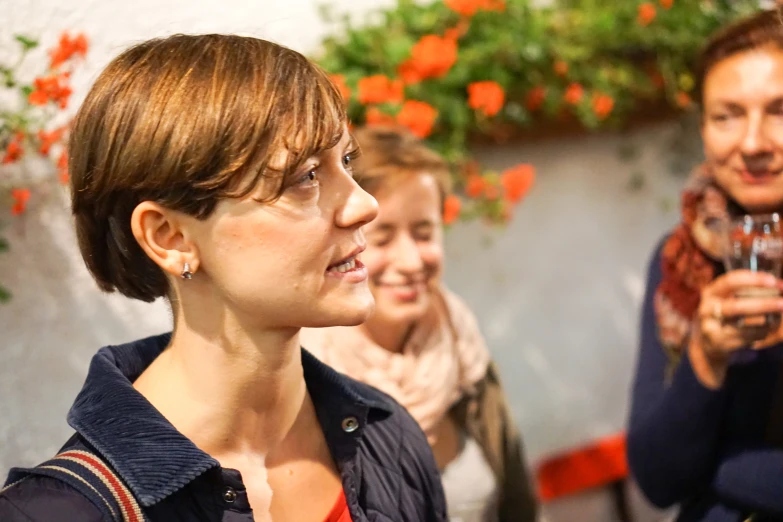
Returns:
(374, 258)
(432, 256)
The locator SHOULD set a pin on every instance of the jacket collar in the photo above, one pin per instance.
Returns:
(151, 456)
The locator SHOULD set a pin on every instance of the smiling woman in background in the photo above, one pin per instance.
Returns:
(706, 412)
(215, 171)
(422, 345)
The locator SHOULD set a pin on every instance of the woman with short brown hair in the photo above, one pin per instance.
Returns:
(215, 171)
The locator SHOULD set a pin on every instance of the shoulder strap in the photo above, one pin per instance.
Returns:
(89, 475)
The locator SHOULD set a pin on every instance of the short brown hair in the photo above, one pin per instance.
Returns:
(758, 30)
(185, 121)
(390, 152)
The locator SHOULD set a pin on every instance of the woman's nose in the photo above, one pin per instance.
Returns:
(755, 141)
(406, 256)
(359, 209)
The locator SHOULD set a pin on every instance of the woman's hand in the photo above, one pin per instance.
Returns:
(717, 331)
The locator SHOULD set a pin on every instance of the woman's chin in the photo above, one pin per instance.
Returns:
(762, 205)
(760, 199)
(358, 317)
(349, 312)
(403, 313)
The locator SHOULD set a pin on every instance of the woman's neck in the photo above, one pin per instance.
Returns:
(389, 336)
(230, 392)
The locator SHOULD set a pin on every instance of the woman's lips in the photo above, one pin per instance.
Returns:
(758, 177)
(405, 293)
(352, 271)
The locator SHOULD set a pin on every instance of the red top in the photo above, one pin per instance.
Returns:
(339, 512)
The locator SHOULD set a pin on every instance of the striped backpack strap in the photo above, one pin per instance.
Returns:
(89, 475)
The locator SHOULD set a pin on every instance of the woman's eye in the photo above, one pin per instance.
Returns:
(310, 178)
(347, 160)
(350, 158)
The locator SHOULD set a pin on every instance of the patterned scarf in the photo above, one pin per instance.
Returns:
(443, 359)
(690, 258)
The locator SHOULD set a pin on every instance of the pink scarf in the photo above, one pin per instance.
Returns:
(444, 357)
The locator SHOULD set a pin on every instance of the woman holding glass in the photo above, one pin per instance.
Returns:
(422, 345)
(704, 424)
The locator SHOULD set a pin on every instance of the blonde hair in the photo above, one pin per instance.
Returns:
(391, 153)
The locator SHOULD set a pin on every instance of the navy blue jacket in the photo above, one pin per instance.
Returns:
(704, 450)
(387, 468)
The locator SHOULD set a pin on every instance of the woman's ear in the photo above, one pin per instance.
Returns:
(162, 234)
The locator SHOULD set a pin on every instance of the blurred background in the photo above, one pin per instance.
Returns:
(594, 104)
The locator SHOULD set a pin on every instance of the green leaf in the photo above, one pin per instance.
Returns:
(3, 244)
(398, 48)
(27, 90)
(27, 43)
(5, 295)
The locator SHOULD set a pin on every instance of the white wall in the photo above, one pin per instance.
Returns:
(557, 292)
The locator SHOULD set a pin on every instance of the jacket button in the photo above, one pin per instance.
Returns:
(229, 495)
(350, 424)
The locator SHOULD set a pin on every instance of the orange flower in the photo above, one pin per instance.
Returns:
(38, 98)
(409, 73)
(602, 105)
(431, 57)
(50, 88)
(375, 116)
(495, 5)
(48, 139)
(62, 168)
(339, 81)
(535, 98)
(475, 186)
(683, 100)
(488, 97)
(418, 116)
(67, 48)
(62, 161)
(20, 196)
(560, 68)
(451, 209)
(463, 7)
(574, 94)
(647, 13)
(469, 7)
(14, 151)
(380, 89)
(517, 182)
(667, 4)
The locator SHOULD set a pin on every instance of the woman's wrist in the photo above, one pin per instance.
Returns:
(710, 366)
